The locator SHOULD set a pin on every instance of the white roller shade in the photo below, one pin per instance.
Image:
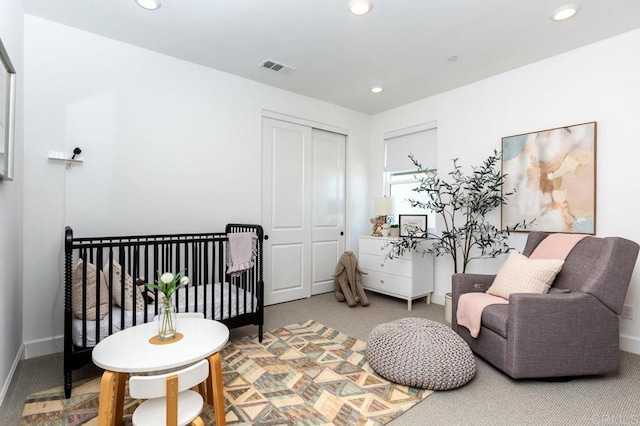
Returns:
(422, 143)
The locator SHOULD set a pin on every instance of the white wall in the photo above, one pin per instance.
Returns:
(595, 83)
(11, 30)
(168, 146)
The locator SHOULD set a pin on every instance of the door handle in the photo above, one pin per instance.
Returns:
(341, 233)
(266, 237)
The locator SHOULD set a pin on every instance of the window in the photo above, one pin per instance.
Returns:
(399, 171)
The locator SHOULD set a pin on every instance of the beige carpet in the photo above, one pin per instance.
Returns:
(305, 374)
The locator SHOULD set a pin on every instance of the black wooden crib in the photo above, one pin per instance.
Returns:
(105, 285)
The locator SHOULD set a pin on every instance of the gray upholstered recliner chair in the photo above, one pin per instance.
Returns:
(572, 330)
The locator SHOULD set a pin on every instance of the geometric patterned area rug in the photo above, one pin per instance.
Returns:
(301, 374)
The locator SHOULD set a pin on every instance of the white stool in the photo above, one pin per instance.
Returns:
(169, 399)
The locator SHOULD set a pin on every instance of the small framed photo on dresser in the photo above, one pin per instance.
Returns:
(413, 225)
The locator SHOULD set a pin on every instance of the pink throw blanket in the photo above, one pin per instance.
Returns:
(556, 246)
(470, 307)
(241, 252)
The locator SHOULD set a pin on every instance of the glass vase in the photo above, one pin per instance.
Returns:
(167, 320)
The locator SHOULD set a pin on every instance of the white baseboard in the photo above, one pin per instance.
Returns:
(46, 346)
(7, 382)
(630, 344)
(437, 298)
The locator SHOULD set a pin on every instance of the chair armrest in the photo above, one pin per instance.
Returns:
(564, 327)
(466, 283)
(569, 308)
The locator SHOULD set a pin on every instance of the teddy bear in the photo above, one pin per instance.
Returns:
(378, 227)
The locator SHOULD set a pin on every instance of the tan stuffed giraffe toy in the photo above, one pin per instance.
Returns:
(346, 282)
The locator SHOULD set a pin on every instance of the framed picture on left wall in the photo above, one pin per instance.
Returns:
(7, 114)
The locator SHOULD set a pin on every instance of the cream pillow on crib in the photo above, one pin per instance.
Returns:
(129, 288)
(78, 296)
(519, 274)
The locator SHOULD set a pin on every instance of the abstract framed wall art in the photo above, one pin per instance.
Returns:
(553, 173)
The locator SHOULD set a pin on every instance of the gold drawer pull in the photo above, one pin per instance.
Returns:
(381, 248)
(382, 264)
(382, 281)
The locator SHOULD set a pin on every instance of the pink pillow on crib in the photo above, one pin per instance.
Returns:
(129, 288)
(78, 296)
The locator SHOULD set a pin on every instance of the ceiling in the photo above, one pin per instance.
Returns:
(401, 45)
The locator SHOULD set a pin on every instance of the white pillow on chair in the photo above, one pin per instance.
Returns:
(519, 274)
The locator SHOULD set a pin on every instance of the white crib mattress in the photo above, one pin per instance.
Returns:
(237, 301)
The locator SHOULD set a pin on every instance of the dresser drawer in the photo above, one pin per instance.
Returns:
(387, 283)
(376, 246)
(390, 266)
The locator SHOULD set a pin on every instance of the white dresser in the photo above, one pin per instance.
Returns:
(408, 277)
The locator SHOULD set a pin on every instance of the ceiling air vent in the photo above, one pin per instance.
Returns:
(274, 66)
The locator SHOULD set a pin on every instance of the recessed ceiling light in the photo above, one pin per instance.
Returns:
(376, 89)
(149, 4)
(565, 12)
(360, 7)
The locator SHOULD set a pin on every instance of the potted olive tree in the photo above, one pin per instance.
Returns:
(462, 203)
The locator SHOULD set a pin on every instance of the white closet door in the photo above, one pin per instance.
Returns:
(302, 209)
(327, 230)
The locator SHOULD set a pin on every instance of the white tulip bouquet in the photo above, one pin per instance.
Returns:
(168, 284)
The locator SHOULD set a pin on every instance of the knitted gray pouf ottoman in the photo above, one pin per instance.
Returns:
(420, 353)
